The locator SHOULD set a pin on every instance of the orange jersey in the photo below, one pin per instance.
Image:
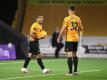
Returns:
(72, 24)
(36, 28)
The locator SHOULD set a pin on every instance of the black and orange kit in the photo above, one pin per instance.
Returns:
(72, 25)
(34, 45)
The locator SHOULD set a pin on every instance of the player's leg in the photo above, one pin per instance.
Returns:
(75, 58)
(39, 57)
(75, 61)
(68, 49)
(70, 62)
(27, 60)
(40, 63)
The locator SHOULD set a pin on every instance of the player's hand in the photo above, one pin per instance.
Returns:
(42, 38)
(58, 40)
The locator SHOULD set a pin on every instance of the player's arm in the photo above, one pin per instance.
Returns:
(62, 30)
(81, 29)
(33, 35)
(60, 33)
(33, 31)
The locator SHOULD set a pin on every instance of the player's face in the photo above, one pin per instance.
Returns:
(70, 12)
(40, 19)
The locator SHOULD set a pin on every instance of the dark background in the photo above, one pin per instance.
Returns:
(7, 10)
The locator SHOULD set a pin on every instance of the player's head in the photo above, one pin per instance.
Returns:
(71, 10)
(39, 19)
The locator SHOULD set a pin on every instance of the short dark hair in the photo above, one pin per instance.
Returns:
(38, 16)
(71, 8)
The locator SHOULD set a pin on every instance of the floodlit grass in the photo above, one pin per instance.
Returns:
(90, 69)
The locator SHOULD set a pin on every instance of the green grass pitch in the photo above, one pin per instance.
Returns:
(89, 69)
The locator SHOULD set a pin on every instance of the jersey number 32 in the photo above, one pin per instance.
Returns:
(74, 25)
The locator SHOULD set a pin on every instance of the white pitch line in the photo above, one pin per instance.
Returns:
(46, 75)
(31, 61)
(10, 62)
(89, 71)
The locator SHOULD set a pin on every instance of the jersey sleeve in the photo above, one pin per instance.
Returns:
(33, 28)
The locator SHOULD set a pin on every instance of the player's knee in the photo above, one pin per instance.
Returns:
(69, 54)
(29, 55)
(38, 56)
(74, 54)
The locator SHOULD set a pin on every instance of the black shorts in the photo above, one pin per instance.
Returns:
(71, 46)
(34, 47)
